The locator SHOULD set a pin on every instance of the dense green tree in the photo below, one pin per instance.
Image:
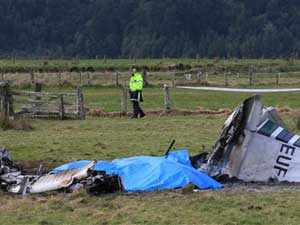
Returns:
(149, 28)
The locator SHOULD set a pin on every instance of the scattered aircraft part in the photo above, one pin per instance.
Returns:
(254, 146)
(63, 179)
(271, 114)
(100, 183)
(242, 89)
(12, 180)
(10, 174)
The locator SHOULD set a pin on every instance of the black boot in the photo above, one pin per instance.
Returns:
(142, 114)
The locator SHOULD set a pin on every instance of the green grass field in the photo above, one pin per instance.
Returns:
(153, 64)
(167, 207)
(108, 138)
(126, 63)
(108, 99)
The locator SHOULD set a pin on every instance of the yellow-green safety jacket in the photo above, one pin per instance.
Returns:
(135, 87)
(136, 82)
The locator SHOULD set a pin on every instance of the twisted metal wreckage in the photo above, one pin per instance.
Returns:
(254, 145)
(14, 181)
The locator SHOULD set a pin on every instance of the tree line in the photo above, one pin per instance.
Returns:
(149, 28)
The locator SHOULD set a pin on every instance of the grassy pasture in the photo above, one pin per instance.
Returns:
(108, 138)
(167, 207)
(108, 99)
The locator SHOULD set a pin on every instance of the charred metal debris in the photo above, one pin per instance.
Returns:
(254, 146)
(13, 180)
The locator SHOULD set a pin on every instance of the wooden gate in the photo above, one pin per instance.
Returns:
(41, 104)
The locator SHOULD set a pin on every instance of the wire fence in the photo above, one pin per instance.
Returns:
(194, 78)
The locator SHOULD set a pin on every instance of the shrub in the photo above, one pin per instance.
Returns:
(5, 122)
(14, 124)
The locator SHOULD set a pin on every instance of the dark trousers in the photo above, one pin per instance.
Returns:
(137, 108)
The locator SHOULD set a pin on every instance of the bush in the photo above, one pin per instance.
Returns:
(14, 124)
(4, 122)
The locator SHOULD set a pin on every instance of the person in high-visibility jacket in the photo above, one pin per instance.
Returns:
(135, 91)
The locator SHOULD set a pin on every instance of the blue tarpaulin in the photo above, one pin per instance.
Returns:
(149, 173)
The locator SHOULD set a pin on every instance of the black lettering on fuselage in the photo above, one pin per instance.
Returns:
(284, 159)
(287, 150)
(279, 170)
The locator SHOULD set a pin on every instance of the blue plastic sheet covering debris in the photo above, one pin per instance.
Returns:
(149, 173)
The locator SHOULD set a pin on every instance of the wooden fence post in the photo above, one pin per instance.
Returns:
(278, 78)
(174, 80)
(3, 104)
(89, 79)
(167, 107)
(251, 76)
(226, 79)
(80, 78)
(6, 99)
(59, 80)
(124, 93)
(117, 79)
(199, 76)
(10, 102)
(145, 77)
(32, 76)
(37, 87)
(61, 107)
(80, 104)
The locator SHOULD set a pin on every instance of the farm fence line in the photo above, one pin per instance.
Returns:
(37, 104)
(191, 77)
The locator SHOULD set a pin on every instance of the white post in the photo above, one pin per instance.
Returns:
(167, 108)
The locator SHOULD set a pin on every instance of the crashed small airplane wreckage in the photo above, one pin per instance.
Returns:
(14, 181)
(255, 145)
(140, 173)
